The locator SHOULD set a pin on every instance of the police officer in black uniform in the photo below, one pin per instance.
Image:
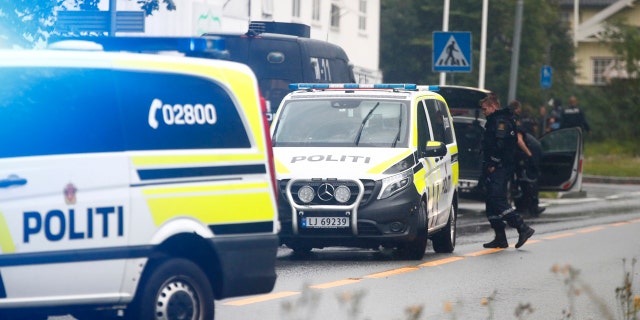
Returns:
(499, 148)
(528, 156)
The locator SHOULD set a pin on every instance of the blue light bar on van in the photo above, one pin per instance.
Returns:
(211, 46)
(306, 86)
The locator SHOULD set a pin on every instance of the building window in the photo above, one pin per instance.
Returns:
(599, 66)
(295, 5)
(335, 16)
(315, 14)
(267, 8)
(362, 18)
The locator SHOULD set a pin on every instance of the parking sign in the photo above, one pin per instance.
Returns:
(545, 77)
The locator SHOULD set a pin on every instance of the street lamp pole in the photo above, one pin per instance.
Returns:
(445, 27)
(483, 43)
(515, 53)
(112, 17)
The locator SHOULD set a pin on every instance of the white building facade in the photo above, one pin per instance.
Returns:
(352, 24)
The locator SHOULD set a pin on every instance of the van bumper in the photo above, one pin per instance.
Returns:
(386, 222)
(247, 264)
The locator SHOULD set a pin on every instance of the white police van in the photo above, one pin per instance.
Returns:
(140, 183)
(366, 166)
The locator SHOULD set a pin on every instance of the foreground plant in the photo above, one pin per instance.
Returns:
(628, 300)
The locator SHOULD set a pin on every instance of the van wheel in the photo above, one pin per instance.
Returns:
(415, 249)
(300, 250)
(445, 240)
(176, 289)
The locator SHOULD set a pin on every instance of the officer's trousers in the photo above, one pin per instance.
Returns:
(497, 205)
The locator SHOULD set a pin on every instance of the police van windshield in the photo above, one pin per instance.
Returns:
(343, 123)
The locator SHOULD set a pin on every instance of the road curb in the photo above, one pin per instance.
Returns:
(605, 179)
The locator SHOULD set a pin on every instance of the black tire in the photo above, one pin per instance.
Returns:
(300, 250)
(445, 240)
(415, 249)
(176, 289)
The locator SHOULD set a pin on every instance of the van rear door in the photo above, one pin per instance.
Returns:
(63, 185)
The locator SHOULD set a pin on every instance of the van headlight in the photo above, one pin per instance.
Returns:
(306, 194)
(342, 194)
(394, 184)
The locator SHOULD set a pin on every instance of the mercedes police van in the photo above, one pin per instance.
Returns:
(366, 166)
(134, 184)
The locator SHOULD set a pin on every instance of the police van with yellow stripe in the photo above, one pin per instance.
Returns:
(366, 166)
(135, 184)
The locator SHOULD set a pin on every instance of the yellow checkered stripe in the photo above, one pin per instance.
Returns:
(241, 202)
(217, 191)
(6, 243)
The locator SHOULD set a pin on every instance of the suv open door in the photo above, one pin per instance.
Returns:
(561, 163)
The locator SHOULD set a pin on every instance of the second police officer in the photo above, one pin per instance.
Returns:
(499, 147)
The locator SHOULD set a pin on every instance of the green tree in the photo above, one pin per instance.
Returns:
(26, 23)
(406, 44)
(619, 115)
(29, 23)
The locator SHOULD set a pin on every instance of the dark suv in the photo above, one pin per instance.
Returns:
(562, 150)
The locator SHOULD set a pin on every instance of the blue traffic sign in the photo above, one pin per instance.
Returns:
(545, 77)
(452, 51)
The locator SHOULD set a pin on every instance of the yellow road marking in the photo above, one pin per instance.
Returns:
(530, 241)
(483, 252)
(261, 298)
(335, 283)
(617, 224)
(586, 230)
(391, 272)
(441, 261)
(558, 236)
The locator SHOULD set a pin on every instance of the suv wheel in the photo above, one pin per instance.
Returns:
(445, 240)
(415, 249)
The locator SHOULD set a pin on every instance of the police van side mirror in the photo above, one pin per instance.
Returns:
(435, 149)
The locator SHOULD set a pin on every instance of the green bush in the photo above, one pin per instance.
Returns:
(612, 158)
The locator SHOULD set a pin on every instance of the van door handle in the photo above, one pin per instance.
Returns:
(12, 180)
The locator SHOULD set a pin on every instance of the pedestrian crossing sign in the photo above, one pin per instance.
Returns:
(452, 51)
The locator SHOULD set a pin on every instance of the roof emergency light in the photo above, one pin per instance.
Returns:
(213, 47)
(308, 86)
(434, 88)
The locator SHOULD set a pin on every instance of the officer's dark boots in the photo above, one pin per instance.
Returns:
(537, 211)
(524, 233)
(500, 241)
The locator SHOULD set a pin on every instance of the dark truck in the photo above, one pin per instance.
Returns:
(281, 53)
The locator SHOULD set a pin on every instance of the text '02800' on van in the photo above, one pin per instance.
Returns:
(366, 166)
(141, 183)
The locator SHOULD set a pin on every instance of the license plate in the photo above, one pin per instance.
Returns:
(325, 222)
